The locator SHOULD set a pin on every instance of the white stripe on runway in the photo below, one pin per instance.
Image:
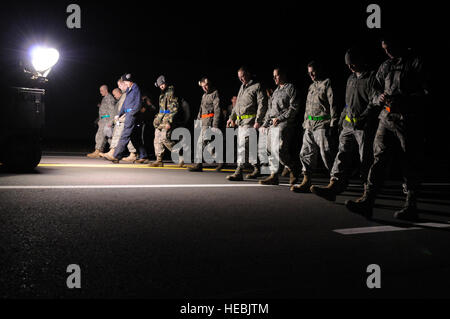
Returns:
(381, 229)
(130, 186)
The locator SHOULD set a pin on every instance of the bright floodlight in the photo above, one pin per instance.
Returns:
(43, 58)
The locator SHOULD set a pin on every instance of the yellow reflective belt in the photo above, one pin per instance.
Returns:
(353, 120)
(248, 116)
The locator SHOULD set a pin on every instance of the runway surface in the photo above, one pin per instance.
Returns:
(140, 232)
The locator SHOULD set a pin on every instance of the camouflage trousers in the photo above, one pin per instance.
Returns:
(204, 143)
(162, 140)
(248, 147)
(350, 140)
(407, 137)
(284, 153)
(116, 137)
(314, 143)
(100, 137)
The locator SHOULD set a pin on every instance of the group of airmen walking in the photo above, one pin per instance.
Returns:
(380, 117)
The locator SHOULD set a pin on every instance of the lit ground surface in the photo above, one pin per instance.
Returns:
(169, 233)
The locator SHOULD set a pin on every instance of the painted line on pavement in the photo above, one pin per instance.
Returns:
(128, 186)
(125, 166)
(382, 229)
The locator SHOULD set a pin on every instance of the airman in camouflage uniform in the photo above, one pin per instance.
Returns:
(209, 115)
(320, 124)
(358, 122)
(249, 112)
(281, 114)
(405, 93)
(120, 95)
(106, 114)
(164, 121)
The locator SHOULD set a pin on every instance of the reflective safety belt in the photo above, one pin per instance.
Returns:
(318, 118)
(105, 116)
(207, 115)
(353, 120)
(164, 111)
(247, 116)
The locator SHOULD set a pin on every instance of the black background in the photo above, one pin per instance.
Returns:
(191, 39)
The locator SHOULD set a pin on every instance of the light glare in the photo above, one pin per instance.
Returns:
(44, 58)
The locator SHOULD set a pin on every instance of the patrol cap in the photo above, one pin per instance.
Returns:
(160, 81)
(127, 77)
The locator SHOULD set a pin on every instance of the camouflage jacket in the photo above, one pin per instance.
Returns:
(210, 105)
(107, 108)
(283, 105)
(251, 103)
(360, 94)
(320, 104)
(168, 108)
(405, 81)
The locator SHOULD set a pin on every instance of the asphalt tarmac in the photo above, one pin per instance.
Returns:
(140, 232)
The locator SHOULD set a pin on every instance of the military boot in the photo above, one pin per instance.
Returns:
(328, 192)
(293, 176)
(364, 205)
(196, 168)
(304, 186)
(142, 161)
(111, 153)
(254, 174)
(111, 158)
(286, 172)
(157, 163)
(271, 180)
(95, 154)
(237, 175)
(219, 167)
(181, 164)
(131, 158)
(409, 211)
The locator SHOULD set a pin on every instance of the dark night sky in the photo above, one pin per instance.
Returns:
(189, 40)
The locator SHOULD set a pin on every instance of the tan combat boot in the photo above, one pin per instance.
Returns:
(196, 168)
(142, 161)
(95, 154)
(304, 187)
(131, 158)
(254, 174)
(364, 205)
(271, 180)
(181, 164)
(237, 175)
(328, 192)
(157, 163)
(110, 153)
(286, 172)
(111, 158)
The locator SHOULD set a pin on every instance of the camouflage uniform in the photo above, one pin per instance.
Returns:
(283, 106)
(358, 120)
(320, 115)
(404, 80)
(106, 113)
(168, 108)
(209, 115)
(251, 107)
(118, 128)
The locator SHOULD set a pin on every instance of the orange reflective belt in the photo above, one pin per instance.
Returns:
(207, 115)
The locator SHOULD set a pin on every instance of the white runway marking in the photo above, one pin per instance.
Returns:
(128, 186)
(381, 229)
